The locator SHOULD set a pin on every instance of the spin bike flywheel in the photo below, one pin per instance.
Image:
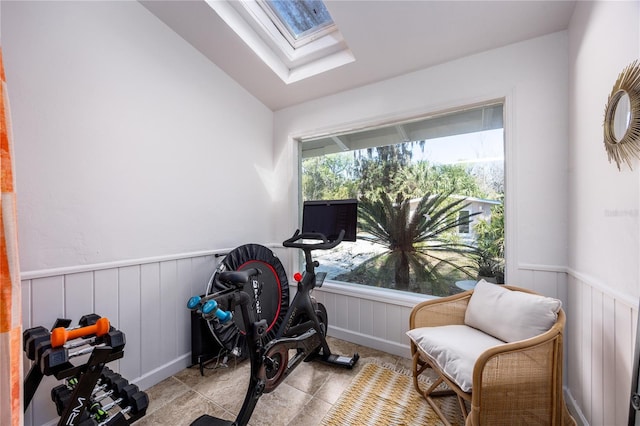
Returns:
(269, 298)
(273, 372)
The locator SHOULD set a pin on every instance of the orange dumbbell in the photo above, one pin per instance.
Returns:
(60, 335)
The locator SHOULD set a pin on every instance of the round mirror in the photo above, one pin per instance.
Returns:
(621, 116)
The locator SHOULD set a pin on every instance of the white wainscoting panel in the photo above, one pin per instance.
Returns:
(600, 345)
(145, 299)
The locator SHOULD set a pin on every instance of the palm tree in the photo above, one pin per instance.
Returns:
(418, 242)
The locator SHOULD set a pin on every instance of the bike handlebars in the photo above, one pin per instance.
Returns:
(324, 245)
(208, 306)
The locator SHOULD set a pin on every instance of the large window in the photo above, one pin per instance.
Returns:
(431, 194)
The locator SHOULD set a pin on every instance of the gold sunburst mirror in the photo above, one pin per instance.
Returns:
(622, 117)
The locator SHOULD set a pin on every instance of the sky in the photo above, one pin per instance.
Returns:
(479, 147)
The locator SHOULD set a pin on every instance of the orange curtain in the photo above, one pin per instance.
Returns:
(10, 298)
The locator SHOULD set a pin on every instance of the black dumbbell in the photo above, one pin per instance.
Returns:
(118, 385)
(129, 395)
(26, 334)
(115, 339)
(89, 319)
(137, 404)
(128, 391)
(49, 358)
(37, 345)
(134, 404)
(119, 394)
(61, 395)
(33, 338)
(29, 344)
(109, 376)
(57, 357)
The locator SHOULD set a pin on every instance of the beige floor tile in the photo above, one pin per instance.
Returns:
(312, 414)
(303, 398)
(404, 363)
(279, 407)
(308, 377)
(335, 385)
(182, 411)
(164, 392)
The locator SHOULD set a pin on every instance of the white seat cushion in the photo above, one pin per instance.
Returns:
(510, 315)
(454, 349)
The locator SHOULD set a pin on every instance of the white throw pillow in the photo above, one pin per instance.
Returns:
(454, 349)
(510, 315)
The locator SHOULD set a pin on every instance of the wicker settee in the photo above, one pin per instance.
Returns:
(499, 351)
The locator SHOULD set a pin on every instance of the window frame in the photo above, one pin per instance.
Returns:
(336, 130)
(305, 37)
(316, 55)
(464, 228)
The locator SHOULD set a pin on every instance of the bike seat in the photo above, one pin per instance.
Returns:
(238, 278)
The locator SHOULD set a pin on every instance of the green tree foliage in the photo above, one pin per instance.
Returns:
(489, 252)
(379, 168)
(421, 177)
(421, 248)
(417, 244)
(490, 232)
(364, 172)
(329, 177)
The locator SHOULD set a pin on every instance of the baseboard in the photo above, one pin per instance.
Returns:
(574, 408)
(159, 374)
(393, 348)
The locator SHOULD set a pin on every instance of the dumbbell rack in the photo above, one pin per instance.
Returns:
(105, 347)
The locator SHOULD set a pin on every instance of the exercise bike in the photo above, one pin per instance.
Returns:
(300, 327)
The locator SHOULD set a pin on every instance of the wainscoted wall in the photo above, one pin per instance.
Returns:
(146, 299)
(599, 342)
(379, 318)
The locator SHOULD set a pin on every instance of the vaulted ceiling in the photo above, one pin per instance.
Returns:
(388, 38)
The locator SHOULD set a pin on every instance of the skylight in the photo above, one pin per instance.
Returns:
(297, 39)
(300, 18)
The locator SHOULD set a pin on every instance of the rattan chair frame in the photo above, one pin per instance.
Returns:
(515, 383)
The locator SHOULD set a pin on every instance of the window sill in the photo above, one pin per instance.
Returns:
(384, 295)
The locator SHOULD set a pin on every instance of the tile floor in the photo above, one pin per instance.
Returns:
(302, 399)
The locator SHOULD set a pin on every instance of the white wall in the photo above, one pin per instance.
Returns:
(136, 158)
(604, 37)
(533, 78)
(123, 135)
(128, 142)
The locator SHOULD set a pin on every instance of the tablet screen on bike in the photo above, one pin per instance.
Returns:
(329, 217)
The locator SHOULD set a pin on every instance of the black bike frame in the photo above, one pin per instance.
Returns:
(306, 337)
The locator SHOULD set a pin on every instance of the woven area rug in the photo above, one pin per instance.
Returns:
(382, 395)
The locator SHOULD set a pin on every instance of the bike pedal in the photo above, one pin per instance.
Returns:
(206, 420)
(342, 361)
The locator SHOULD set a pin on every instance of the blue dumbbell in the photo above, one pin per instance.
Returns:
(211, 308)
(194, 302)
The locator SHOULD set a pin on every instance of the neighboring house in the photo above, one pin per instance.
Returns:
(476, 205)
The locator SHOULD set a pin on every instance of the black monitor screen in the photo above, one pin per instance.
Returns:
(330, 217)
